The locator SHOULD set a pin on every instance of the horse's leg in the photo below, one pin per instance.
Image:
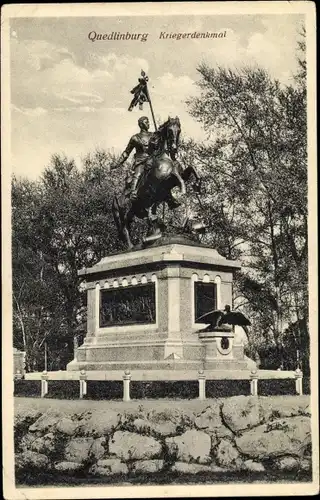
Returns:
(126, 227)
(152, 218)
(154, 229)
(170, 199)
(152, 212)
(186, 174)
(181, 182)
(127, 238)
(116, 209)
(123, 219)
(188, 171)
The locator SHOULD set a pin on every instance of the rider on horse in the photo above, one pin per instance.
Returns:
(140, 143)
(142, 159)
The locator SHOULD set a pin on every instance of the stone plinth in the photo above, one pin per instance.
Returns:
(142, 307)
(19, 362)
(221, 351)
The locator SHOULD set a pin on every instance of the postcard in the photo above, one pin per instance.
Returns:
(159, 201)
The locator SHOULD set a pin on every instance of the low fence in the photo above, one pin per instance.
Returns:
(128, 389)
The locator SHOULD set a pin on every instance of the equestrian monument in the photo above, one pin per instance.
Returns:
(158, 305)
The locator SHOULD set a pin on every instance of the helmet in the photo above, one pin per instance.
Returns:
(142, 119)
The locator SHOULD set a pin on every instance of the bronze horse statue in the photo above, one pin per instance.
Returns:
(161, 174)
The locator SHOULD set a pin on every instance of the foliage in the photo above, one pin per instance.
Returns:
(61, 223)
(257, 147)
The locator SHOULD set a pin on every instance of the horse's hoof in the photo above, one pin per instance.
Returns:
(152, 237)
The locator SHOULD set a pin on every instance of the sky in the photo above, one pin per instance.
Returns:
(71, 95)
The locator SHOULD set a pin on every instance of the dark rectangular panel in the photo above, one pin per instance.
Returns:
(128, 306)
(205, 299)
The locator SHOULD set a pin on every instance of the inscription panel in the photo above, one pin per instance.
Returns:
(128, 306)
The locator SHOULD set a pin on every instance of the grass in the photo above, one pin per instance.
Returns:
(165, 478)
(143, 390)
(42, 405)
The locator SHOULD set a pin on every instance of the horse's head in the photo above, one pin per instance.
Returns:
(170, 131)
(173, 135)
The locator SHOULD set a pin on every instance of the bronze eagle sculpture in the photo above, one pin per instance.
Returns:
(217, 318)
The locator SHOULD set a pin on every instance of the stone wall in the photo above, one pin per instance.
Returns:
(234, 434)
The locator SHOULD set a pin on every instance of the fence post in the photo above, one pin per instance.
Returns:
(202, 385)
(83, 383)
(44, 383)
(298, 376)
(254, 383)
(126, 385)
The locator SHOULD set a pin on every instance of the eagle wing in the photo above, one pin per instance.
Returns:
(236, 318)
(246, 330)
(211, 317)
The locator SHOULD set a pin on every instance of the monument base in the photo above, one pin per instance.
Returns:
(205, 351)
(245, 364)
(221, 351)
(142, 310)
(134, 365)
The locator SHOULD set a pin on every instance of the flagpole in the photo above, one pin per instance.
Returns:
(151, 108)
(155, 128)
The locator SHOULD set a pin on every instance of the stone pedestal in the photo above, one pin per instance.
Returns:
(19, 362)
(142, 308)
(221, 351)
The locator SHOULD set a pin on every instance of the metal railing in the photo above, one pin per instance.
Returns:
(126, 378)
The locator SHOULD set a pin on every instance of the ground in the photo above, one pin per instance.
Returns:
(116, 405)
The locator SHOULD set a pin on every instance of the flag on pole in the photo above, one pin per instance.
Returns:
(140, 91)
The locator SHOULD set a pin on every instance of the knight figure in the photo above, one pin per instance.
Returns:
(143, 145)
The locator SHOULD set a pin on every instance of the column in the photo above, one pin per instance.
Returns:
(91, 310)
(173, 342)
(226, 293)
(217, 281)
(97, 307)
